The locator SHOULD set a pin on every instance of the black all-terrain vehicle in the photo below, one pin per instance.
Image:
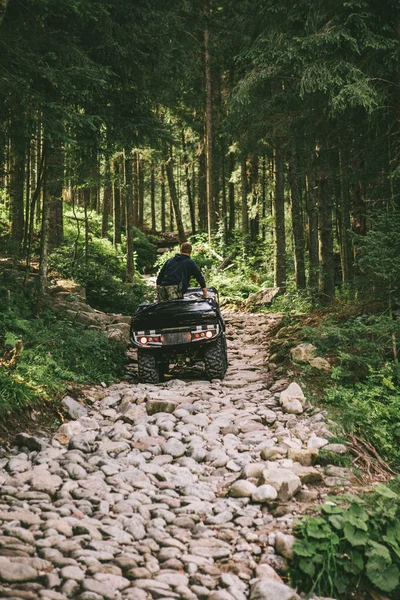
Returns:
(183, 331)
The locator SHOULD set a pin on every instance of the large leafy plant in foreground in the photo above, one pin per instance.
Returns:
(353, 544)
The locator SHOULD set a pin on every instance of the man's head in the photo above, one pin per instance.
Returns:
(186, 248)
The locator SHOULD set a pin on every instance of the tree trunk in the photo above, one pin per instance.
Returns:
(346, 242)
(327, 274)
(264, 197)
(297, 223)
(255, 217)
(107, 198)
(117, 203)
(28, 176)
(130, 267)
(279, 222)
(211, 213)
(163, 215)
(136, 189)
(153, 198)
(123, 193)
(16, 186)
(202, 206)
(3, 8)
(224, 211)
(245, 211)
(45, 233)
(174, 199)
(313, 243)
(188, 184)
(54, 183)
(141, 192)
(231, 223)
(360, 206)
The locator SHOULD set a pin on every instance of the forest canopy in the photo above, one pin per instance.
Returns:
(271, 126)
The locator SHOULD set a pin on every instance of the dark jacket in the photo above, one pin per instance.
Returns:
(179, 270)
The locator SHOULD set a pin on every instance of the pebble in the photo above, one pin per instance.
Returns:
(165, 491)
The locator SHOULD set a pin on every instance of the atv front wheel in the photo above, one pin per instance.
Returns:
(216, 359)
(148, 367)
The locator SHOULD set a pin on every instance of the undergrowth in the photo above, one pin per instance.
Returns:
(55, 354)
(354, 544)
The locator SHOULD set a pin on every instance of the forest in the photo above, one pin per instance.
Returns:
(266, 133)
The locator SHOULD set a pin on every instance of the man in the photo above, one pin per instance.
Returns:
(173, 279)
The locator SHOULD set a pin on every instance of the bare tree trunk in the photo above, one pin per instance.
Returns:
(245, 211)
(130, 267)
(202, 205)
(211, 214)
(313, 242)
(136, 189)
(163, 215)
(174, 199)
(141, 192)
(3, 8)
(255, 217)
(327, 274)
(107, 198)
(123, 193)
(264, 196)
(153, 198)
(346, 243)
(279, 222)
(188, 184)
(224, 210)
(231, 223)
(54, 183)
(16, 186)
(297, 223)
(44, 242)
(117, 203)
(28, 176)
(35, 195)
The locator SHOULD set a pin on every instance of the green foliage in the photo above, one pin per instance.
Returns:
(101, 249)
(55, 352)
(102, 272)
(234, 283)
(353, 545)
(379, 252)
(361, 343)
(371, 409)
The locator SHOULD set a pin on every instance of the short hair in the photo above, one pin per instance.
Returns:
(186, 248)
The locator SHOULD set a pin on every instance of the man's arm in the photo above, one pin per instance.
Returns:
(161, 274)
(198, 275)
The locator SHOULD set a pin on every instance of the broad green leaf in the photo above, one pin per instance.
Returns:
(378, 550)
(358, 511)
(355, 536)
(336, 521)
(328, 509)
(358, 523)
(307, 567)
(386, 580)
(386, 492)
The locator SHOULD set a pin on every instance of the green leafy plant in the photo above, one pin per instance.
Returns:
(55, 354)
(353, 544)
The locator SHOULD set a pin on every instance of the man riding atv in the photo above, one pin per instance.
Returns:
(174, 277)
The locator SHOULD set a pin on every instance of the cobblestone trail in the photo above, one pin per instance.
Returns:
(183, 491)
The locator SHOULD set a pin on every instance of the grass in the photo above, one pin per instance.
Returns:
(56, 353)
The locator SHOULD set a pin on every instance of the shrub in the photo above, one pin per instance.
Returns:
(353, 545)
(371, 409)
(55, 351)
(360, 344)
(101, 272)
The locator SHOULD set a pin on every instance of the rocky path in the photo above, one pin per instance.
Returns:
(184, 491)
